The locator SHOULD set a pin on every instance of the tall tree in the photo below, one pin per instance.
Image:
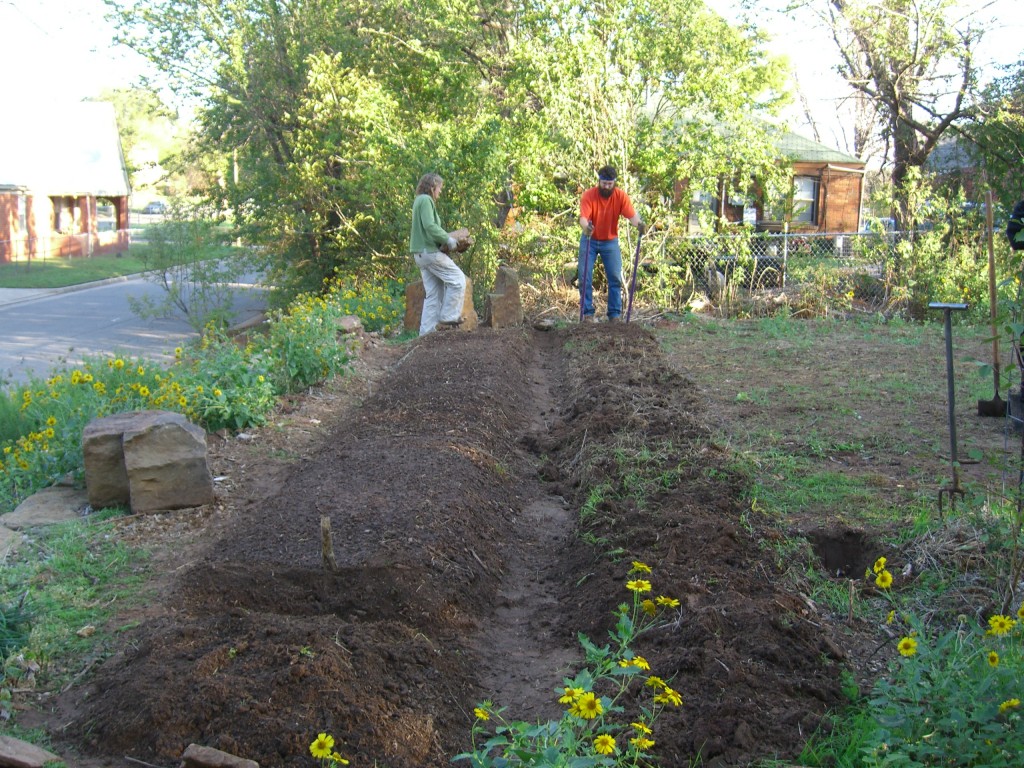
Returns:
(997, 133)
(333, 108)
(914, 60)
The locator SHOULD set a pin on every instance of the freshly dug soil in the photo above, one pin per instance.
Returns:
(465, 569)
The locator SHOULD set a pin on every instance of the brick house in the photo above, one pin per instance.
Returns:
(828, 190)
(63, 184)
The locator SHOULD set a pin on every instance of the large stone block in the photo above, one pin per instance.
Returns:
(147, 460)
(504, 307)
(414, 295)
(197, 756)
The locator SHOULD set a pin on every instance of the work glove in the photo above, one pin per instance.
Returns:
(641, 228)
(452, 245)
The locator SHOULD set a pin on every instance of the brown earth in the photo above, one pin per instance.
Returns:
(452, 471)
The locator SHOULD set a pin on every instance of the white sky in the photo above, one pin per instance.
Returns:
(61, 51)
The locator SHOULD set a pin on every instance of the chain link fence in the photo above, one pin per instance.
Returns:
(813, 273)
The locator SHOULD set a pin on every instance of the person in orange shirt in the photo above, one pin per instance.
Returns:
(600, 209)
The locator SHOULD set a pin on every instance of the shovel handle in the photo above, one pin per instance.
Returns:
(992, 287)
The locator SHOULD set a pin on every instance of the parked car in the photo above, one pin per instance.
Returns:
(155, 207)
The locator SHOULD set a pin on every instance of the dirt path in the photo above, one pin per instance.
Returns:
(454, 483)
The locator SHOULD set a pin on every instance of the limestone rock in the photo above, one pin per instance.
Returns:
(414, 307)
(15, 753)
(197, 756)
(50, 505)
(349, 324)
(147, 460)
(504, 307)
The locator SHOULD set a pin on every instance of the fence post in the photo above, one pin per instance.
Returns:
(785, 251)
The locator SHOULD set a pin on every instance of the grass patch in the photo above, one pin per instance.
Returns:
(60, 273)
(68, 580)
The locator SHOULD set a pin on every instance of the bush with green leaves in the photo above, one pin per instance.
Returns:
(595, 728)
(216, 383)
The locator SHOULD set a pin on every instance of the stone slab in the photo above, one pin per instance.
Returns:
(50, 505)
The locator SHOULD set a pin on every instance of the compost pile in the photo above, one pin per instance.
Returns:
(464, 570)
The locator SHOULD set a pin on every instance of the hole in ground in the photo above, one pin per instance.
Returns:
(843, 552)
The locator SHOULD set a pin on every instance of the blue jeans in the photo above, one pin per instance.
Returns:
(611, 257)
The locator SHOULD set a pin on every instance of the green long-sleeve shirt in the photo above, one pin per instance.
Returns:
(426, 233)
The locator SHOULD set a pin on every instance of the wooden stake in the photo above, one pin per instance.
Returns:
(326, 545)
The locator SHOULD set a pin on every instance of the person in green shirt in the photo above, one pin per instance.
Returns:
(444, 284)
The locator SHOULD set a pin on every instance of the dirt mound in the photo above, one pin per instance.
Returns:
(465, 571)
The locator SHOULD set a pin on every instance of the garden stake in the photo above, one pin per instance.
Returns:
(955, 490)
(996, 406)
(632, 280)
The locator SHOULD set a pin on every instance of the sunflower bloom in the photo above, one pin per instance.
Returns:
(638, 585)
(322, 746)
(1020, 612)
(667, 602)
(883, 580)
(336, 758)
(641, 728)
(1008, 705)
(993, 659)
(669, 696)
(587, 706)
(642, 743)
(655, 682)
(907, 647)
(649, 607)
(481, 714)
(1000, 625)
(569, 695)
(604, 744)
(640, 663)
(639, 567)
(879, 565)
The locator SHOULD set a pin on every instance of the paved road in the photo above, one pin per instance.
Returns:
(43, 329)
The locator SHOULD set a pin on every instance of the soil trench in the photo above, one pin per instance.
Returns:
(464, 571)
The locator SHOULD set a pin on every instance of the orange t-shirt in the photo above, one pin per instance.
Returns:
(604, 214)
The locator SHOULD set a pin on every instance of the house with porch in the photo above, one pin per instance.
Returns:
(827, 193)
(63, 184)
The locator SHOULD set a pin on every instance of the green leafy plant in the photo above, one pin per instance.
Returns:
(595, 728)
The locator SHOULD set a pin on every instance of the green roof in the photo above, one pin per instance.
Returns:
(798, 149)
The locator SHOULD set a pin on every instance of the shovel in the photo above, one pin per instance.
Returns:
(632, 281)
(996, 406)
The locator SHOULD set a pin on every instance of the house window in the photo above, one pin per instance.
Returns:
(805, 199)
(22, 213)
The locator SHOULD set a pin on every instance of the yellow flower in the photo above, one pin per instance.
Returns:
(993, 659)
(1020, 612)
(639, 567)
(570, 695)
(638, 585)
(883, 580)
(144, 391)
(891, 617)
(481, 714)
(655, 682)
(177, 352)
(587, 706)
(649, 607)
(119, 364)
(1009, 704)
(335, 757)
(640, 663)
(907, 647)
(1000, 625)
(604, 744)
(140, 371)
(52, 421)
(217, 393)
(642, 728)
(879, 565)
(668, 602)
(669, 696)
(641, 742)
(323, 745)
